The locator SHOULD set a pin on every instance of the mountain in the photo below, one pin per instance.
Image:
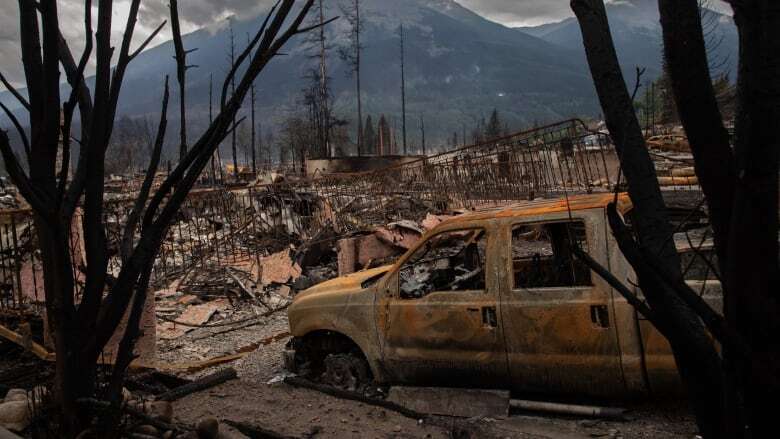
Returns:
(638, 38)
(459, 66)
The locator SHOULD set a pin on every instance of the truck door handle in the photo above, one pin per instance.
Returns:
(599, 315)
(489, 318)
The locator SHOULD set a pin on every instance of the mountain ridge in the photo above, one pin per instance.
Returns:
(638, 38)
(459, 66)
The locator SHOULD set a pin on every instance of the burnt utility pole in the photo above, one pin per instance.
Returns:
(181, 70)
(403, 88)
(324, 109)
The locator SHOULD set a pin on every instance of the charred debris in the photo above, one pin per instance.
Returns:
(236, 256)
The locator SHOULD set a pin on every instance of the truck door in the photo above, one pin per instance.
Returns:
(558, 317)
(441, 311)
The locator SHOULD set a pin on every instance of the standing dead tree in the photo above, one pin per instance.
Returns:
(351, 54)
(696, 358)
(741, 189)
(316, 94)
(253, 141)
(181, 71)
(81, 329)
(422, 133)
(233, 91)
(324, 90)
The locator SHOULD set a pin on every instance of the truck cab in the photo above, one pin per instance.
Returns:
(493, 298)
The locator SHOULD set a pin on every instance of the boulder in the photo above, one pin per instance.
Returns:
(148, 430)
(162, 410)
(16, 395)
(208, 428)
(5, 434)
(14, 415)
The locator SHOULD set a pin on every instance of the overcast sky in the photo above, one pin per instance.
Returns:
(198, 13)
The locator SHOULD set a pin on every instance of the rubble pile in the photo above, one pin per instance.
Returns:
(8, 195)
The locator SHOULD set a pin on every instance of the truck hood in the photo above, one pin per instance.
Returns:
(348, 283)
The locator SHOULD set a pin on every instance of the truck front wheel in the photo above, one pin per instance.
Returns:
(345, 371)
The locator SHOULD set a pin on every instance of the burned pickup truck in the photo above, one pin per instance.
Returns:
(493, 298)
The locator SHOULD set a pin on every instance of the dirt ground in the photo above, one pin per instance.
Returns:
(255, 399)
(305, 413)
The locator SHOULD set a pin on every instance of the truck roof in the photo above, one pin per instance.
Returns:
(549, 205)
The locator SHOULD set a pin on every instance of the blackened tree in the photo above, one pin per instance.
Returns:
(81, 329)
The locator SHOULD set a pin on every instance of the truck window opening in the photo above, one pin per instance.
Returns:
(450, 261)
(541, 255)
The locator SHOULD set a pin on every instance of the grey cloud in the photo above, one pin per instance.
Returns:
(534, 12)
(520, 12)
(193, 14)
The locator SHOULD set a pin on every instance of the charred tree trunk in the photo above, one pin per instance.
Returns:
(325, 119)
(422, 133)
(253, 146)
(686, 63)
(697, 359)
(751, 270)
(233, 92)
(181, 69)
(211, 119)
(741, 187)
(81, 331)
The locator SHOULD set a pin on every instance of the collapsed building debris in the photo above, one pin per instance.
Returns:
(8, 195)
(236, 258)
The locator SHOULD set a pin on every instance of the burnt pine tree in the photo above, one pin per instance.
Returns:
(322, 96)
(383, 137)
(422, 133)
(369, 137)
(727, 390)
(181, 71)
(233, 91)
(741, 188)
(493, 127)
(81, 328)
(351, 55)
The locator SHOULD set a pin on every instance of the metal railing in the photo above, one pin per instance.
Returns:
(225, 226)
